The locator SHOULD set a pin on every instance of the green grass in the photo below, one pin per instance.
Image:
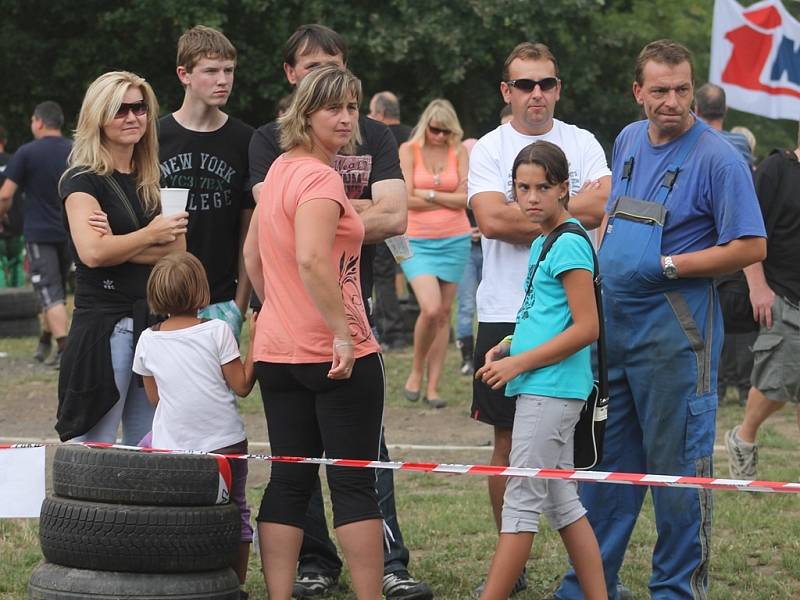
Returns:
(447, 526)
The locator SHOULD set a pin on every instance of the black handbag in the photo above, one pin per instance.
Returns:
(591, 427)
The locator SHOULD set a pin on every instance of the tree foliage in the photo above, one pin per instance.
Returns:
(453, 49)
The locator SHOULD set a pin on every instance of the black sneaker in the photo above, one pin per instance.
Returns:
(401, 586)
(312, 585)
(521, 584)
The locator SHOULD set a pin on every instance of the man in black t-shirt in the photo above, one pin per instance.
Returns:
(385, 107)
(392, 333)
(35, 169)
(205, 150)
(374, 184)
(775, 296)
(12, 246)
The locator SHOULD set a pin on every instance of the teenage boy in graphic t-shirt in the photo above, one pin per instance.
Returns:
(531, 87)
(205, 150)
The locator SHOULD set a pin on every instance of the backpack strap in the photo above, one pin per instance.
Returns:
(602, 359)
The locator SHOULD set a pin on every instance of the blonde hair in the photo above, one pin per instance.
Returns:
(177, 285)
(748, 135)
(203, 42)
(441, 111)
(90, 155)
(322, 87)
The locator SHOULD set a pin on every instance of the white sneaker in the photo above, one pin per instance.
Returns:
(742, 457)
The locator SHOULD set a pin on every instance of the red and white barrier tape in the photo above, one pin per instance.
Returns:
(584, 476)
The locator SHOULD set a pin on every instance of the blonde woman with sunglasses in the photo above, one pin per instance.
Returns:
(435, 165)
(116, 234)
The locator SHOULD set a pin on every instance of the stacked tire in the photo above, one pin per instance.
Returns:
(19, 310)
(136, 525)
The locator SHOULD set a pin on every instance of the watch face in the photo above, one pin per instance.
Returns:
(671, 272)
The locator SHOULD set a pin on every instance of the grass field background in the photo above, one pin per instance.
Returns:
(446, 520)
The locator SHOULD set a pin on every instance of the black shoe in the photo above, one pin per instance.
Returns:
(42, 351)
(521, 584)
(312, 585)
(401, 586)
(55, 360)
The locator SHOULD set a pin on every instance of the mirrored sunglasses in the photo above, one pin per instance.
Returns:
(528, 85)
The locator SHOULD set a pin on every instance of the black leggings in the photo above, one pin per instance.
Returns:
(308, 414)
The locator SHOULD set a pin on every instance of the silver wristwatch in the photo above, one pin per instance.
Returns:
(670, 270)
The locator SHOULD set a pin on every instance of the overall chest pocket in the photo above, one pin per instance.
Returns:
(631, 247)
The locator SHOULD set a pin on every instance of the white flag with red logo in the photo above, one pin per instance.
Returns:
(755, 57)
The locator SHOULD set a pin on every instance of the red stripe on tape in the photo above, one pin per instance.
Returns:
(584, 476)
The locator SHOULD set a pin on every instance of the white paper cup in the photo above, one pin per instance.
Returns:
(399, 247)
(173, 200)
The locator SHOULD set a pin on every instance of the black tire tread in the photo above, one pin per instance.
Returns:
(23, 327)
(138, 539)
(55, 582)
(18, 303)
(130, 477)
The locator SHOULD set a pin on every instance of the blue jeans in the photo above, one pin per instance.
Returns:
(132, 408)
(467, 289)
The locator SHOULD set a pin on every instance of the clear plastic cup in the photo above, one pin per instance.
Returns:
(399, 247)
(173, 200)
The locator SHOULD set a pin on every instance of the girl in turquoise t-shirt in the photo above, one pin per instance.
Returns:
(546, 364)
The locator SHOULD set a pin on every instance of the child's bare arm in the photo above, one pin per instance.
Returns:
(237, 376)
(151, 389)
(241, 376)
(583, 331)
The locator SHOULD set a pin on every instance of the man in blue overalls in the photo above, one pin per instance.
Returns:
(682, 210)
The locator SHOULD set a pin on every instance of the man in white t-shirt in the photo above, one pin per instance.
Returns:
(531, 87)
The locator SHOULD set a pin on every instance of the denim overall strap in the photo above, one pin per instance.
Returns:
(687, 144)
(627, 167)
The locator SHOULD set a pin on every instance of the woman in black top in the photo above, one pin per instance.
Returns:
(116, 234)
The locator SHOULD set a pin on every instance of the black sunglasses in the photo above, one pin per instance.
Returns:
(438, 130)
(528, 85)
(138, 109)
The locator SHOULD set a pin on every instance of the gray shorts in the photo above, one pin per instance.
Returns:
(776, 354)
(49, 265)
(544, 429)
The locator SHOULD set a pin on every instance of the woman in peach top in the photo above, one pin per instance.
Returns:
(316, 361)
(435, 168)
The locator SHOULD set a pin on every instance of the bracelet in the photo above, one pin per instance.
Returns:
(508, 339)
(335, 345)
